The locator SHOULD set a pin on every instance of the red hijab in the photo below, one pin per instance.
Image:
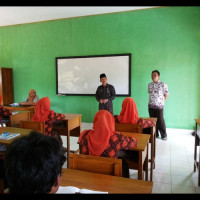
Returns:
(42, 110)
(129, 112)
(103, 130)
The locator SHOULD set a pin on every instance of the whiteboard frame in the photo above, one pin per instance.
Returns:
(93, 56)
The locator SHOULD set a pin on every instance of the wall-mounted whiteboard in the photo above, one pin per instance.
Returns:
(80, 75)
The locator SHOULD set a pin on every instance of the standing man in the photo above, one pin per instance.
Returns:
(105, 93)
(158, 93)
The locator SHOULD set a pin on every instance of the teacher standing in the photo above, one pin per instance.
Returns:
(105, 94)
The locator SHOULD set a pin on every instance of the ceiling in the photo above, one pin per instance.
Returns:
(11, 15)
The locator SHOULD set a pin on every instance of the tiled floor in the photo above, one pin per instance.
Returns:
(174, 162)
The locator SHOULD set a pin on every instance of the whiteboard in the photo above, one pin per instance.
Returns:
(80, 75)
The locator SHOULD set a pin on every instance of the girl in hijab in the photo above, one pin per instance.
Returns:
(31, 99)
(44, 114)
(104, 141)
(129, 115)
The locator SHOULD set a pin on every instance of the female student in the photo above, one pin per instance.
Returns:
(4, 114)
(104, 141)
(31, 99)
(129, 114)
(44, 114)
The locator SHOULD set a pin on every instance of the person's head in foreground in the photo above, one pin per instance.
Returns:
(33, 164)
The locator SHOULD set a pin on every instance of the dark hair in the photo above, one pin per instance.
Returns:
(156, 72)
(102, 75)
(33, 163)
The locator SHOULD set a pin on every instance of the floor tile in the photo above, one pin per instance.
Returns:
(161, 188)
(182, 180)
(182, 189)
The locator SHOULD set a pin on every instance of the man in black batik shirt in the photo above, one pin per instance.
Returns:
(105, 93)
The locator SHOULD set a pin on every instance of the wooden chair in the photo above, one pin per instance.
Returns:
(102, 165)
(37, 126)
(134, 128)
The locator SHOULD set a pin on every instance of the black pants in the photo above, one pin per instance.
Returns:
(160, 125)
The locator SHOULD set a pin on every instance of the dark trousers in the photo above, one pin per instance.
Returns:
(160, 124)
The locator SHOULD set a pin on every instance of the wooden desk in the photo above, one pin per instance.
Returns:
(21, 108)
(14, 120)
(142, 148)
(197, 143)
(13, 130)
(153, 145)
(29, 108)
(72, 128)
(102, 182)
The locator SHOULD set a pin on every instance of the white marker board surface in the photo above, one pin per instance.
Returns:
(80, 75)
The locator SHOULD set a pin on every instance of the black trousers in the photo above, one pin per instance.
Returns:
(160, 125)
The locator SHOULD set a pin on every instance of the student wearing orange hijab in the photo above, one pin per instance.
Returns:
(129, 114)
(32, 98)
(44, 114)
(104, 141)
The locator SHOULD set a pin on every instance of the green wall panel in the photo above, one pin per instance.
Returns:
(167, 39)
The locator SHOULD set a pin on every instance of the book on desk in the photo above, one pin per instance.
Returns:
(8, 135)
(74, 190)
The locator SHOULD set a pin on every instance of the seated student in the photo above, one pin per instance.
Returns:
(33, 164)
(129, 115)
(31, 99)
(44, 114)
(104, 141)
(4, 114)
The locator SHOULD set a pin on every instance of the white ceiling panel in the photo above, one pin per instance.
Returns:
(12, 15)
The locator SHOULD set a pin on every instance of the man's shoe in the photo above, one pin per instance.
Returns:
(164, 138)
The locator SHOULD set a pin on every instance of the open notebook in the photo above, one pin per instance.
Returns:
(73, 190)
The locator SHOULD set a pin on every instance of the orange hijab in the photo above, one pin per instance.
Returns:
(103, 130)
(30, 98)
(129, 112)
(42, 110)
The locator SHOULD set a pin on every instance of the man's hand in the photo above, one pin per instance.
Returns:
(101, 101)
(105, 100)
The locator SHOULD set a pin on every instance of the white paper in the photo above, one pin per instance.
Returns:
(73, 190)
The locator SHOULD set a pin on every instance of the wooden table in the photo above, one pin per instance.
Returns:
(21, 108)
(17, 116)
(72, 128)
(106, 183)
(153, 145)
(142, 148)
(197, 143)
(22, 132)
(29, 108)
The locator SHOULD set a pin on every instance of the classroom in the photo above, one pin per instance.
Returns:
(164, 38)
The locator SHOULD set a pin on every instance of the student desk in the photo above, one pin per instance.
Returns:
(197, 143)
(142, 148)
(17, 116)
(102, 182)
(21, 108)
(22, 132)
(72, 128)
(29, 108)
(153, 145)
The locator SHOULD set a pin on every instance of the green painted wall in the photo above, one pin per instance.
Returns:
(167, 39)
